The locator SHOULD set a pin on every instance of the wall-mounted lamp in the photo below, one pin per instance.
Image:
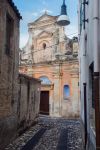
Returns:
(63, 19)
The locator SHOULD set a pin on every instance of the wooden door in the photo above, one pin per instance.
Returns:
(44, 102)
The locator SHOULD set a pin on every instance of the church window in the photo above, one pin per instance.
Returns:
(66, 92)
(44, 45)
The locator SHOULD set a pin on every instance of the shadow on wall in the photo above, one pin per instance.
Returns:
(27, 110)
(8, 130)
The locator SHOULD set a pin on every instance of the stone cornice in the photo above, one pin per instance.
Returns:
(41, 25)
(50, 63)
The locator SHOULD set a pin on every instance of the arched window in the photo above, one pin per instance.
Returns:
(66, 91)
(45, 80)
(44, 45)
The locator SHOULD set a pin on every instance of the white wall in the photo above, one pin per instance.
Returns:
(86, 58)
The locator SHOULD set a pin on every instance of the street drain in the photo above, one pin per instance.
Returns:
(62, 143)
(34, 140)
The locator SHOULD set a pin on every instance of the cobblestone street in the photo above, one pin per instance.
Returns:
(50, 134)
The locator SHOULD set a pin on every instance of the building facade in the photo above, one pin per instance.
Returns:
(9, 45)
(89, 41)
(53, 58)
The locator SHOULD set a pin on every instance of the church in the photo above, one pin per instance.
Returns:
(52, 57)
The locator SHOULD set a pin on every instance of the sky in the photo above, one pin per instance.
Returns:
(30, 10)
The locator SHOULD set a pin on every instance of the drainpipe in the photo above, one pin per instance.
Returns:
(96, 72)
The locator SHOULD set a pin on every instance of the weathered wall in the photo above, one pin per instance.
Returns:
(60, 74)
(28, 101)
(8, 76)
(44, 30)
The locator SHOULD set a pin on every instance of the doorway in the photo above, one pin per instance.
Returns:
(44, 102)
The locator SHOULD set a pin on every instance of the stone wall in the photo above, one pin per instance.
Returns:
(19, 96)
(28, 101)
(8, 75)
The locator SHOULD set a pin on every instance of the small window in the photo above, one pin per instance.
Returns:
(9, 33)
(44, 46)
(66, 91)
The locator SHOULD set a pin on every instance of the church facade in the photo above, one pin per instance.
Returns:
(52, 57)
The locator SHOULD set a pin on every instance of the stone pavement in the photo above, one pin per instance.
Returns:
(50, 134)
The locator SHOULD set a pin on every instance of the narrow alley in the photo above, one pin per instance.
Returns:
(50, 134)
(50, 75)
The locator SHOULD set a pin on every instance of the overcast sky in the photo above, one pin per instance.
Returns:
(32, 9)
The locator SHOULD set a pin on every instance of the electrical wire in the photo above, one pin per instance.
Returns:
(47, 47)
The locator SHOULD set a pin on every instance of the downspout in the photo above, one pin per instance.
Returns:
(61, 64)
(60, 106)
(96, 71)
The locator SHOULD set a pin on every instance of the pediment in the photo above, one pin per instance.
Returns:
(43, 18)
